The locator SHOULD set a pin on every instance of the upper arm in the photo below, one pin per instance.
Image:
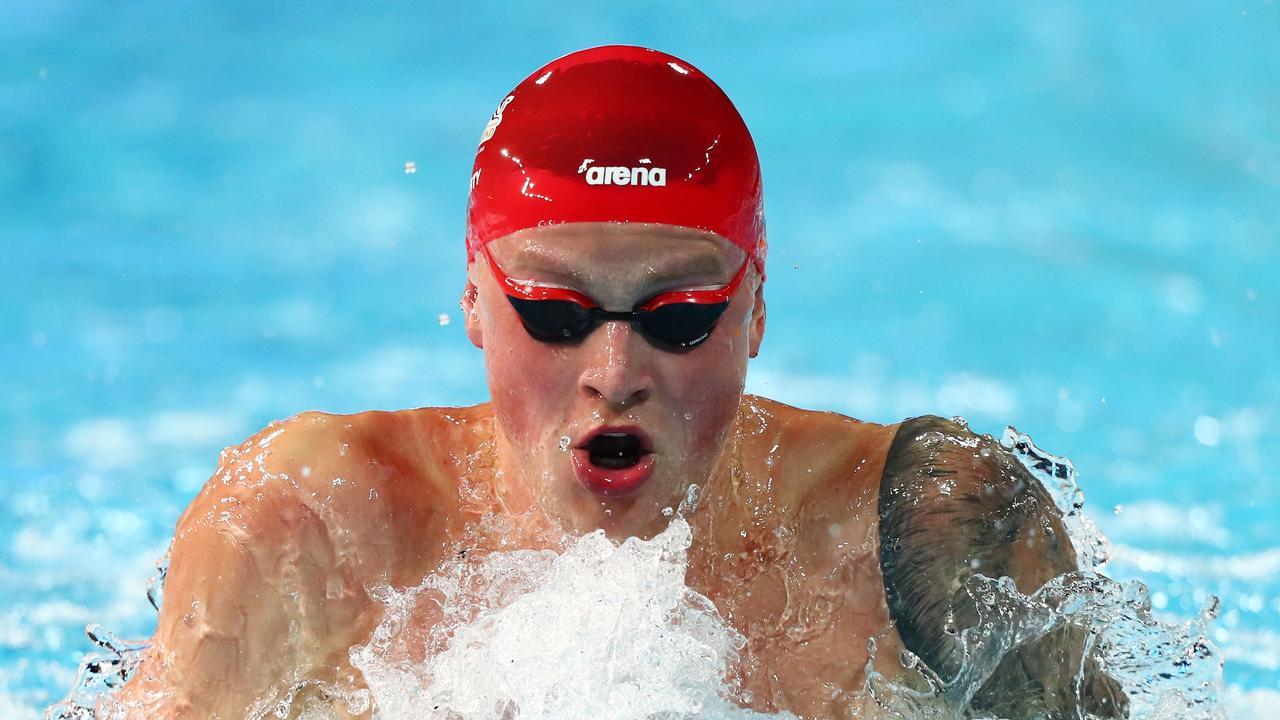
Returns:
(954, 504)
(255, 600)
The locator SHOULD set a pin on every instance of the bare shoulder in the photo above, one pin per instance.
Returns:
(271, 562)
(381, 483)
(815, 449)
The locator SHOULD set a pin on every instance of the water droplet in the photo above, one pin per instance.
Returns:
(564, 443)
(155, 583)
(443, 319)
(1211, 606)
(410, 167)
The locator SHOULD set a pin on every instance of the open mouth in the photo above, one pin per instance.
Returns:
(614, 461)
(615, 450)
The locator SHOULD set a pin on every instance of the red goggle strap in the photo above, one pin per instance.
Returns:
(712, 296)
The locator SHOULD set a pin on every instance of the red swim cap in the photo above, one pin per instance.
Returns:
(617, 134)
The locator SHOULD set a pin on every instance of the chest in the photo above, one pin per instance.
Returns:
(804, 588)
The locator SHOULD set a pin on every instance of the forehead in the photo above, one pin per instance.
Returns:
(594, 250)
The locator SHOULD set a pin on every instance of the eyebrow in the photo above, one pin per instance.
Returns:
(700, 269)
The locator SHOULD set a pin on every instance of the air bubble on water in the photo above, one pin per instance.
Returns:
(443, 319)
(410, 167)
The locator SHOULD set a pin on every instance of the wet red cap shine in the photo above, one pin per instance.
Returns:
(617, 134)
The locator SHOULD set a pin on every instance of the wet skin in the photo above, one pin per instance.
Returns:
(269, 569)
(272, 561)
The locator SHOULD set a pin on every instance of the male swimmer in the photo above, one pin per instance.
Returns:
(616, 267)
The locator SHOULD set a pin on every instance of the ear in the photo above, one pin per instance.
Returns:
(756, 331)
(471, 311)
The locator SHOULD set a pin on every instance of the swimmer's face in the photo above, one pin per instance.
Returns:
(665, 414)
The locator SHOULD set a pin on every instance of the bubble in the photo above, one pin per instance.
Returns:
(1208, 430)
(1183, 294)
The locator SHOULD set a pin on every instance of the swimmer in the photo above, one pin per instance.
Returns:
(615, 284)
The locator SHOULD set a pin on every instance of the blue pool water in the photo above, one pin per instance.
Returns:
(1064, 219)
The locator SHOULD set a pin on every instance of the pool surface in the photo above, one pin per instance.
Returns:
(1060, 218)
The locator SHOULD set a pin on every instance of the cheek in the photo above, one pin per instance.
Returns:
(529, 382)
(705, 386)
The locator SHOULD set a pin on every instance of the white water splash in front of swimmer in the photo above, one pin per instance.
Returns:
(601, 631)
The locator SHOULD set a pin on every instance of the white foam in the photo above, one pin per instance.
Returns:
(1163, 521)
(869, 391)
(1256, 704)
(1209, 570)
(103, 443)
(601, 631)
(113, 443)
(966, 394)
(1255, 647)
(192, 429)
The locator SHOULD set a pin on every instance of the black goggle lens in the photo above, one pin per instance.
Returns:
(683, 325)
(675, 327)
(553, 320)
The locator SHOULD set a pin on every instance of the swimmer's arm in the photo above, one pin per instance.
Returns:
(211, 655)
(953, 504)
(252, 605)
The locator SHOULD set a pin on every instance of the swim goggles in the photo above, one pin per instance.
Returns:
(674, 321)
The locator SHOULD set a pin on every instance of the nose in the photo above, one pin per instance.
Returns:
(615, 371)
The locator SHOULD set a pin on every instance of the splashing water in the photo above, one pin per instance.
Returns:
(1167, 672)
(601, 631)
(611, 631)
